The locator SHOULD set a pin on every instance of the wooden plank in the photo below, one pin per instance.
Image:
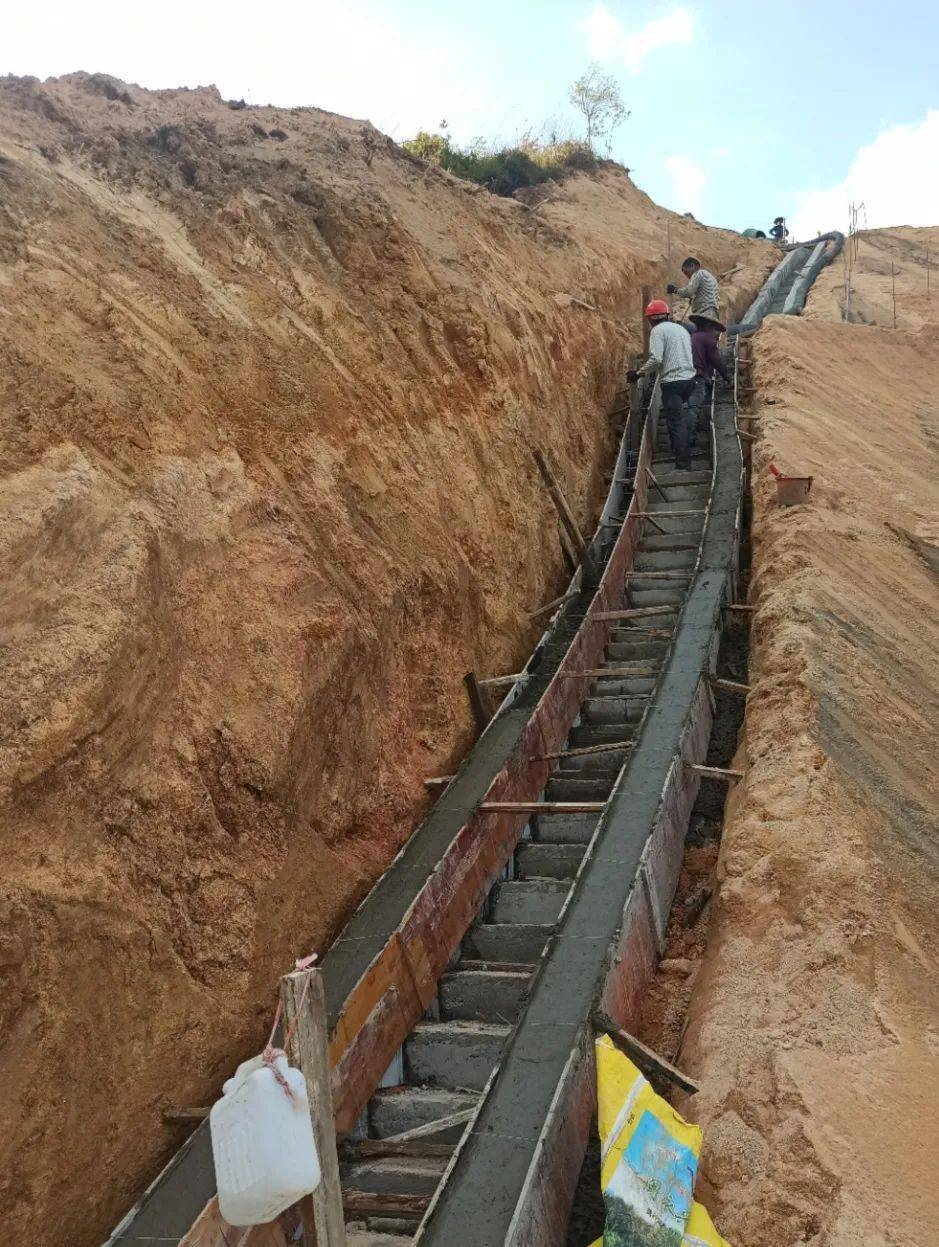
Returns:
(542, 807)
(664, 515)
(430, 1128)
(670, 575)
(305, 1021)
(481, 715)
(365, 1204)
(565, 514)
(644, 1056)
(438, 781)
(567, 549)
(655, 483)
(644, 515)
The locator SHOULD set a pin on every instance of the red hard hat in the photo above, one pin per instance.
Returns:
(658, 307)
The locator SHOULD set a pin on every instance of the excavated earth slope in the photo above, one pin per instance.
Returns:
(267, 392)
(813, 1019)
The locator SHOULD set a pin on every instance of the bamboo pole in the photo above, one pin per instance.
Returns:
(565, 515)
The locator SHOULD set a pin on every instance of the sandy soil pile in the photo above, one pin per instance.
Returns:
(268, 388)
(881, 264)
(813, 1021)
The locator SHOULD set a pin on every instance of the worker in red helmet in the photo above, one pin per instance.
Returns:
(670, 357)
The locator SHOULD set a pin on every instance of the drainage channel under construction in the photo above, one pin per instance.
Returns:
(462, 995)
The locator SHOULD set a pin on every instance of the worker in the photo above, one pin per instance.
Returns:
(779, 231)
(707, 359)
(701, 289)
(670, 357)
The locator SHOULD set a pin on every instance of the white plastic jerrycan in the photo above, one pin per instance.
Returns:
(262, 1142)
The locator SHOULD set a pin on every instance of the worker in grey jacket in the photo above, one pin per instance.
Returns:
(701, 289)
(670, 357)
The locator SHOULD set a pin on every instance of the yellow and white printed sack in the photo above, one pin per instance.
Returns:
(648, 1160)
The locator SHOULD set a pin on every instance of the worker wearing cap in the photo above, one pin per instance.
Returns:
(670, 357)
(701, 289)
(779, 231)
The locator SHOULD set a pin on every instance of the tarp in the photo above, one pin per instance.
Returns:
(648, 1161)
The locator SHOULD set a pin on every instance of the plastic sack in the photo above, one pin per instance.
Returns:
(648, 1161)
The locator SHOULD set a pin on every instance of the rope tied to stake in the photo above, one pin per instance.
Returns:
(270, 1054)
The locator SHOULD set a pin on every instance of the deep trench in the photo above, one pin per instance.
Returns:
(665, 1013)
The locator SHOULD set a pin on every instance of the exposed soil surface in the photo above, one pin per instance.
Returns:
(267, 393)
(813, 1018)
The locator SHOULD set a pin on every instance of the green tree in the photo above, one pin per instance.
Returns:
(597, 96)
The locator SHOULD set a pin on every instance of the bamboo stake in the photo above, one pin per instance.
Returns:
(615, 747)
(565, 515)
(730, 686)
(634, 612)
(542, 610)
(655, 483)
(715, 772)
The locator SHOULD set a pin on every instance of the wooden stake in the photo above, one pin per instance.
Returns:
(477, 704)
(658, 575)
(566, 548)
(644, 515)
(616, 672)
(634, 612)
(549, 606)
(667, 514)
(729, 686)
(500, 681)
(646, 327)
(742, 607)
(542, 807)
(359, 1204)
(438, 781)
(745, 436)
(615, 747)
(179, 1116)
(644, 1057)
(354, 1149)
(430, 1128)
(656, 485)
(715, 772)
(305, 1004)
(565, 515)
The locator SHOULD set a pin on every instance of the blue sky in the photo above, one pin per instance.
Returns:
(736, 114)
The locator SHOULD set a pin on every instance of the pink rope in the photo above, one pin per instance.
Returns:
(270, 1053)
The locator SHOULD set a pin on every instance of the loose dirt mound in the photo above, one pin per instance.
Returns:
(268, 388)
(813, 1023)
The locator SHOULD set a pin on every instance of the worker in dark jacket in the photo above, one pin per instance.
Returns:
(707, 359)
(779, 231)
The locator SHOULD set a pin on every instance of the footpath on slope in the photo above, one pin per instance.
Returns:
(268, 391)
(813, 1015)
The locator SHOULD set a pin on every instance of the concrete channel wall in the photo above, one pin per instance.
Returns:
(513, 1177)
(382, 971)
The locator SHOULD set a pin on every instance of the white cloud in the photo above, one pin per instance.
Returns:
(689, 180)
(896, 177)
(608, 38)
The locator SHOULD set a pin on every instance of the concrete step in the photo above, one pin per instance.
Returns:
(482, 995)
(608, 733)
(549, 861)
(528, 902)
(512, 942)
(656, 541)
(393, 1175)
(681, 479)
(358, 1237)
(660, 597)
(613, 711)
(457, 1055)
(632, 649)
(564, 828)
(680, 491)
(621, 686)
(618, 650)
(392, 1110)
(664, 560)
(578, 787)
(607, 764)
(695, 498)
